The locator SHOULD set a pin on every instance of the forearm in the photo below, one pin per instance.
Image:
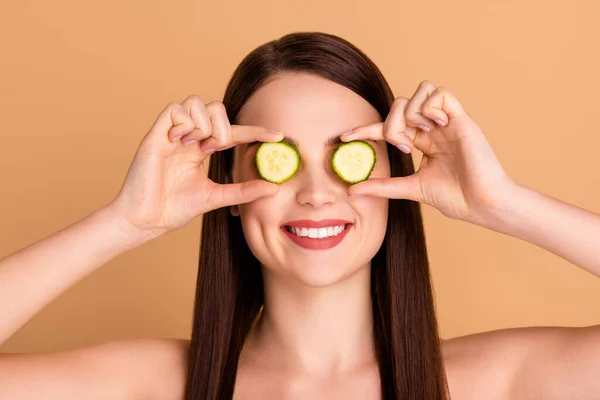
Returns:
(568, 231)
(33, 276)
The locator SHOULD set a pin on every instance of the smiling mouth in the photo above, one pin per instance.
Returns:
(318, 233)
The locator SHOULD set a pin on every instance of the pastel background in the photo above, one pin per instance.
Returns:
(82, 82)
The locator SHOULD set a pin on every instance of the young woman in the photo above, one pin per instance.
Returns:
(277, 317)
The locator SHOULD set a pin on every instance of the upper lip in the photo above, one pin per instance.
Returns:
(309, 223)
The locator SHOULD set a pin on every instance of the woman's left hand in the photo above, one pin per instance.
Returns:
(459, 173)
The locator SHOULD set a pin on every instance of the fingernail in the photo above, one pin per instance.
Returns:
(208, 151)
(404, 148)
(347, 132)
(176, 138)
(424, 128)
(440, 122)
(187, 142)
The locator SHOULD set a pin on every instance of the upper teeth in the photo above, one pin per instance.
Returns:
(315, 233)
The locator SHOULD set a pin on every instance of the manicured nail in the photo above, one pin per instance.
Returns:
(440, 122)
(347, 132)
(424, 128)
(176, 138)
(208, 151)
(188, 142)
(404, 148)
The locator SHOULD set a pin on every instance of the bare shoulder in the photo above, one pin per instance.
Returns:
(120, 369)
(532, 362)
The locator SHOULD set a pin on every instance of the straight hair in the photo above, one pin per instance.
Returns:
(229, 291)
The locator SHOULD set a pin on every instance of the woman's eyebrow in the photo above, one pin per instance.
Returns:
(330, 142)
(335, 140)
(286, 139)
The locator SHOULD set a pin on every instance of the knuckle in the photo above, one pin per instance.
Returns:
(189, 124)
(413, 117)
(400, 101)
(194, 98)
(426, 84)
(258, 130)
(216, 106)
(203, 134)
(172, 105)
(428, 109)
(411, 108)
(445, 93)
(392, 132)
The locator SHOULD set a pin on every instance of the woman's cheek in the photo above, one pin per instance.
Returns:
(257, 209)
(371, 210)
(260, 223)
(264, 212)
(372, 217)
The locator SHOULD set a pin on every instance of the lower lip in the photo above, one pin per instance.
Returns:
(317, 244)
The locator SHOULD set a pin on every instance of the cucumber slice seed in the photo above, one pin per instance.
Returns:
(354, 161)
(277, 161)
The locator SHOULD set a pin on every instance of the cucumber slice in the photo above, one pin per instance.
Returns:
(354, 161)
(277, 162)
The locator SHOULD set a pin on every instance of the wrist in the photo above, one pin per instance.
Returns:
(123, 228)
(499, 213)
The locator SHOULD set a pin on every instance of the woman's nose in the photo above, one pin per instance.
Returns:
(316, 188)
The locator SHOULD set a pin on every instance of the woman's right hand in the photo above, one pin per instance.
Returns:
(166, 185)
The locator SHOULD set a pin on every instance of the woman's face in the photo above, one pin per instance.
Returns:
(309, 110)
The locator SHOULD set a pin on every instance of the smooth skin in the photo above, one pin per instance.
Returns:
(166, 187)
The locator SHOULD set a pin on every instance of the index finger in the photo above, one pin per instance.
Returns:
(372, 132)
(244, 134)
(376, 132)
(405, 187)
(419, 138)
(251, 133)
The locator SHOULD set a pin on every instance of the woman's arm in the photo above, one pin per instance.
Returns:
(164, 189)
(36, 274)
(568, 231)
(461, 176)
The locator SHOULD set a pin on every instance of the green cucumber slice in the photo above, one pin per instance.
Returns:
(277, 162)
(354, 161)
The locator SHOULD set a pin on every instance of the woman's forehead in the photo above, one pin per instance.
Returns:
(303, 105)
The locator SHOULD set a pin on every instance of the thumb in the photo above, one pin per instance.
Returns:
(223, 195)
(406, 187)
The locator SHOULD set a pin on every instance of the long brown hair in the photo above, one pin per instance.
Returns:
(229, 291)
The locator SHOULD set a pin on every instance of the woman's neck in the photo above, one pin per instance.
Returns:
(316, 330)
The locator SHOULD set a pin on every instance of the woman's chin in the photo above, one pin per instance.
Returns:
(319, 275)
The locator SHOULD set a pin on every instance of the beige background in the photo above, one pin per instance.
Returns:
(81, 83)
